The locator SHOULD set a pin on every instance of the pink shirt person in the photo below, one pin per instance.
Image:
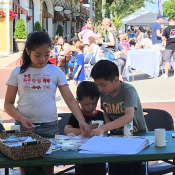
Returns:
(125, 44)
(124, 41)
(85, 35)
(85, 27)
(89, 21)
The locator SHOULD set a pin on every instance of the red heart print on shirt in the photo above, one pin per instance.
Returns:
(33, 80)
(44, 80)
(39, 80)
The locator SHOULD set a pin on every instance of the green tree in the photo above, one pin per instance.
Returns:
(169, 8)
(117, 20)
(20, 30)
(59, 30)
(127, 7)
(37, 26)
(120, 7)
(98, 9)
(107, 10)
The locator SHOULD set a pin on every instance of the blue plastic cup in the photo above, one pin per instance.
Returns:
(56, 49)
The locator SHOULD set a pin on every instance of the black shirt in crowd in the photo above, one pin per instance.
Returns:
(169, 34)
(98, 115)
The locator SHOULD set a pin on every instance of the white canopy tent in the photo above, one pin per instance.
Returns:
(136, 14)
(145, 20)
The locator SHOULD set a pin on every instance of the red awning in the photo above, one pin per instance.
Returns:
(74, 19)
(66, 18)
(58, 16)
(80, 19)
(46, 14)
(18, 9)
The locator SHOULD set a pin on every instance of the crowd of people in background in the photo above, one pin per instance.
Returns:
(113, 46)
(36, 81)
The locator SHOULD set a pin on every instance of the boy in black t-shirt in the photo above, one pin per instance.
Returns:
(87, 96)
(169, 36)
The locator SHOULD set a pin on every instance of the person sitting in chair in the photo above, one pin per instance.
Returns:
(71, 62)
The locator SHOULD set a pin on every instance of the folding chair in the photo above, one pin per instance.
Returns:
(61, 125)
(63, 121)
(87, 64)
(156, 118)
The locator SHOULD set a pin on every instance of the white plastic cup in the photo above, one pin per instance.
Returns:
(128, 129)
(160, 139)
(99, 123)
(15, 127)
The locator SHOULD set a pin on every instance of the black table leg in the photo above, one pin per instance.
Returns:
(6, 171)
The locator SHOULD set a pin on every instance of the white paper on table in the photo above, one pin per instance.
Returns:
(18, 143)
(150, 138)
(114, 145)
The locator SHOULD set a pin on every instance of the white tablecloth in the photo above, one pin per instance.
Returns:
(143, 60)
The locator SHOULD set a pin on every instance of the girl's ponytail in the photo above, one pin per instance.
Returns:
(26, 61)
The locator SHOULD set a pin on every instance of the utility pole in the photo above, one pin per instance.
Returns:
(117, 15)
(90, 9)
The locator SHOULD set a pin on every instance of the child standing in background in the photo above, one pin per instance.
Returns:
(78, 73)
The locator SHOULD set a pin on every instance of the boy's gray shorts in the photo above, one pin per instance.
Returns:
(168, 55)
(44, 129)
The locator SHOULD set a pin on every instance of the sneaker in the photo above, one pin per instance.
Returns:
(71, 75)
(150, 77)
(164, 76)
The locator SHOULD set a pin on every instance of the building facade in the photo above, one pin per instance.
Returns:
(40, 10)
(32, 11)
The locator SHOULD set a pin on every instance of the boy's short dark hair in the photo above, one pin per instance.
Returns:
(105, 69)
(87, 89)
(171, 19)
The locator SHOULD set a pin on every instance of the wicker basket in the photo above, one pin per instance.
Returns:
(26, 151)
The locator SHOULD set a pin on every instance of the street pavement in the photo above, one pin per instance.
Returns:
(154, 93)
(157, 93)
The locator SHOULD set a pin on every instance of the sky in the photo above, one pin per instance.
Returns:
(153, 7)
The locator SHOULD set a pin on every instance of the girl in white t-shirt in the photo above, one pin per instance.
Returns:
(36, 81)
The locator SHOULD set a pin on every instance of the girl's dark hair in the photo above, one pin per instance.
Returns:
(87, 89)
(132, 28)
(141, 29)
(34, 39)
